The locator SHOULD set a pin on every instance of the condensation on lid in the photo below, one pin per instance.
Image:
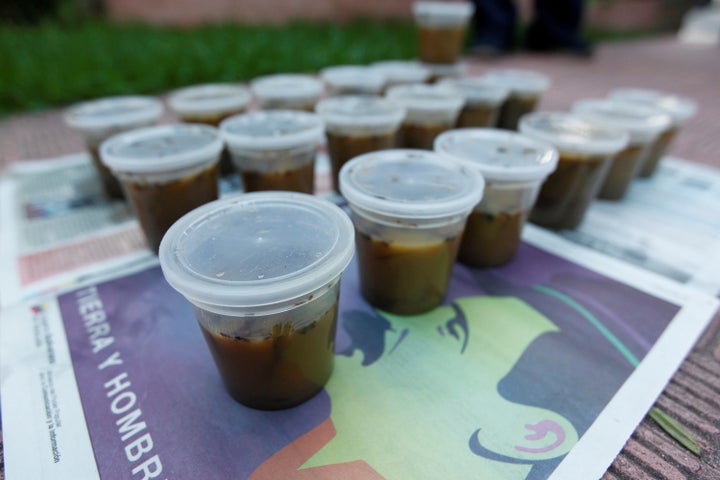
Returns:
(258, 250)
(210, 98)
(569, 132)
(499, 155)
(161, 148)
(519, 81)
(680, 108)
(114, 112)
(427, 97)
(360, 110)
(271, 129)
(410, 184)
(642, 122)
(287, 85)
(402, 71)
(442, 13)
(477, 90)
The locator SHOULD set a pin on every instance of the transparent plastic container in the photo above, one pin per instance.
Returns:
(644, 124)
(274, 149)
(585, 151)
(357, 124)
(166, 171)
(482, 101)
(526, 90)
(287, 91)
(100, 119)
(431, 110)
(441, 29)
(352, 80)
(514, 167)
(409, 208)
(402, 72)
(269, 314)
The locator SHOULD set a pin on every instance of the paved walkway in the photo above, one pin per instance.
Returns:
(693, 395)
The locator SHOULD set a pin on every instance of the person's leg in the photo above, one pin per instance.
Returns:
(494, 24)
(557, 26)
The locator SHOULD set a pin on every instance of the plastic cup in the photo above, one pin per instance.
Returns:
(409, 208)
(643, 124)
(431, 110)
(274, 149)
(358, 124)
(166, 171)
(679, 108)
(441, 71)
(352, 80)
(482, 101)
(262, 272)
(585, 151)
(402, 72)
(100, 119)
(210, 104)
(287, 91)
(514, 167)
(441, 29)
(526, 88)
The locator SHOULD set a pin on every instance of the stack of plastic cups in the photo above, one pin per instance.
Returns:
(679, 108)
(526, 89)
(262, 272)
(274, 149)
(352, 80)
(166, 171)
(585, 151)
(287, 91)
(100, 119)
(409, 208)
(210, 104)
(431, 110)
(482, 101)
(514, 167)
(357, 124)
(643, 125)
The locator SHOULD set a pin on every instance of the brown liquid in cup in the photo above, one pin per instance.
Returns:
(566, 194)
(159, 205)
(342, 148)
(111, 185)
(440, 44)
(656, 152)
(420, 136)
(405, 279)
(281, 370)
(513, 108)
(623, 167)
(301, 179)
(491, 239)
(477, 116)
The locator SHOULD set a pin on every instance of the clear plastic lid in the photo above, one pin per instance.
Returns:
(642, 122)
(257, 253)
(114, 112)
(521, 82)
(442, 13)
(441, 70)
(402, 71)
(422, 98)
(476, 90)
(272, 129)
(570, 133)
(417, 187)
(359, 77)
(162, 148)
(679, 108)
(282, 86)
(210, 98)
(499, 155)
(360, 111)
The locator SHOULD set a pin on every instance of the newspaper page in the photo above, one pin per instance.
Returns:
(540, 369)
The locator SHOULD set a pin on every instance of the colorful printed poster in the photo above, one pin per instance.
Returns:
(537, 370)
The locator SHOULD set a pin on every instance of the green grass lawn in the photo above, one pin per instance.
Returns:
(51, 65)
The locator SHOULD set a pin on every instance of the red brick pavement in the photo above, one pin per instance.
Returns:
(693, 395)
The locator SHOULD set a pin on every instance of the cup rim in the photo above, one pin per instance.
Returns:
(212, 292)
(426, 98)
(310, 130)
(443, 13)
(209, 98)
(121, 112)
(286, 86)
(519, 81)
(680, 108)
(347, 111)
(162, 161)
(642, 122)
